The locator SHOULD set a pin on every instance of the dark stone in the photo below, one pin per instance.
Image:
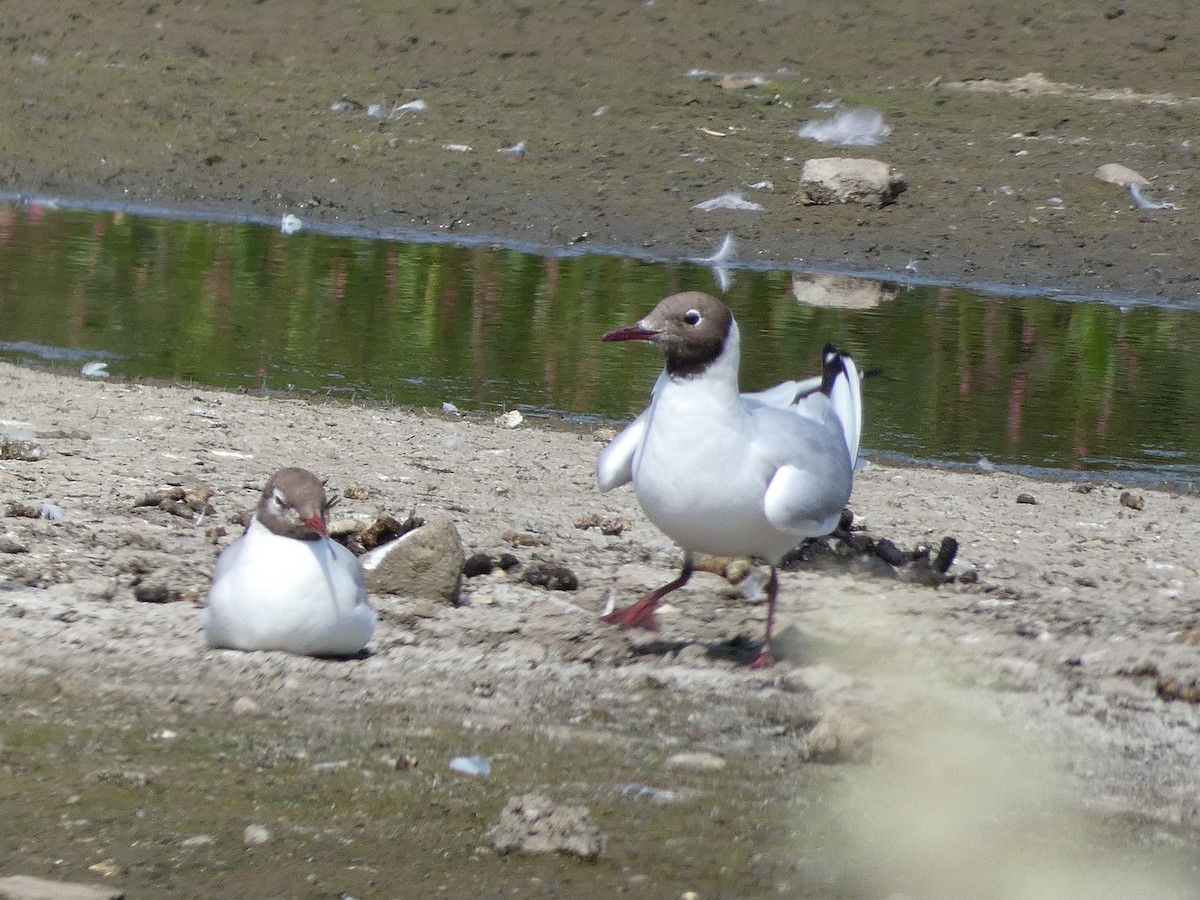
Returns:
(554, 578)
(1173, 689)
(478, 564)
(11, 545)
(152, 592)
(386, 529)
(1132, 501)
(890, 553)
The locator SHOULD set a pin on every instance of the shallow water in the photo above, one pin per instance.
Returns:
(1026, 382)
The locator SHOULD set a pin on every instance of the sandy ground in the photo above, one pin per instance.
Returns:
(223, 106)
(1027, 732)
(1056, 668)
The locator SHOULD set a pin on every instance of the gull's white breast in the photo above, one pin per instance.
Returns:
(277, 593)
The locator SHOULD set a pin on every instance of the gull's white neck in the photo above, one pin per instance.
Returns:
(715, 386)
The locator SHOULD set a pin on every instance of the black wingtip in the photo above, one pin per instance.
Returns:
(832, 366)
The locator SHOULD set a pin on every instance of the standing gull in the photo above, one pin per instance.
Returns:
(284, 585)
(727, 473)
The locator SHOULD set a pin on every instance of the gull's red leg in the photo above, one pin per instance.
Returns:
(641, 614)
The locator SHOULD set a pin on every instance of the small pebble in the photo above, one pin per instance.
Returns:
(554, 578)
(840, 736)
(18, 449)
(478, 564)
(1027, 498)
(244, 706)
(356, 491)
(1133, 501)
(697, 761)
(109, 868)
(647, 793)
(155, 592)
(255, 835)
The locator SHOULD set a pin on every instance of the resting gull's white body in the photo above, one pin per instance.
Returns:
(284, 585)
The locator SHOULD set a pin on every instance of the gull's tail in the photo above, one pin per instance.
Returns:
(841, 382)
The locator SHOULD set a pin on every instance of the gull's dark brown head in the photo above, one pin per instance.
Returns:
(691, 329)
(293, 504)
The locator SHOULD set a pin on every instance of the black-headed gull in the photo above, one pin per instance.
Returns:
(284, 585)
(728, 473)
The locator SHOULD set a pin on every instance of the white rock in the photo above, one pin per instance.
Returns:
(697, 761)
(836, 180)
(256, 835)
(427, 562)
(1115, 173)
(536, 824)
(840, 736)
(244, 706)
(26, 887)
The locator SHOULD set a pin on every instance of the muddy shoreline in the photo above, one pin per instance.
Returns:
(627, 126)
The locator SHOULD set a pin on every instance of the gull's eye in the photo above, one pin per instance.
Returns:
(692, 317)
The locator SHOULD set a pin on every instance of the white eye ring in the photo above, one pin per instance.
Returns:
(693, 317)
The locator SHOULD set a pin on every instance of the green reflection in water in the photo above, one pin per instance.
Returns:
(1022, 381)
